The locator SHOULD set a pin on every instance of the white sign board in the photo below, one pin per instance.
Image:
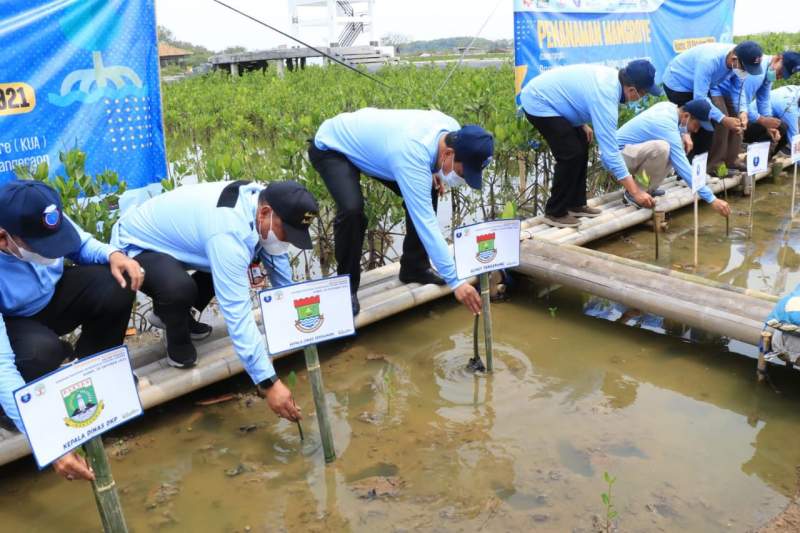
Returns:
(486, 246)
(699, 172)
(307, 313)
(64, 409)
(757, 158)
(796, 149)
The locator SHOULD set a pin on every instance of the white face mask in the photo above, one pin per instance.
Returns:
(31, 257)
(272, 245)
(451, 179)
(741, 74)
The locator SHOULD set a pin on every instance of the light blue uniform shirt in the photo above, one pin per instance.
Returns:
(744, 91)
(187, 224)
(697, 70)
(400, 146)
(783, 105)
(661, 122)
(582, 94)
(26, 289)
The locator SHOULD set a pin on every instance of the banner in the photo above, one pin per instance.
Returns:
(549, 33)
(81, 74)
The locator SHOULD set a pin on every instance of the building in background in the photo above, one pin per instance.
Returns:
(345, 21)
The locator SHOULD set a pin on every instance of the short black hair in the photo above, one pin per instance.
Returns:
(624, 80)
(450, 139)
(262, 197)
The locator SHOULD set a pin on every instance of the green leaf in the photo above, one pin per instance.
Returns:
(606, 477)
(509, 211)
(291, 380)
(604, 496)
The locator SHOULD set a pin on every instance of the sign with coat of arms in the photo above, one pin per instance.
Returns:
(306, 313)
(63, 409)
(486, 246)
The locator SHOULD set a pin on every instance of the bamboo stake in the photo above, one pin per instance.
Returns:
(105, 490)
(487, 320)
(656, 229)
(752, 196)
(766, 346)
(321, 405)
(794, 187)
(696, 232)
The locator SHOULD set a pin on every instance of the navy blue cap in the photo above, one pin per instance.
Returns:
(791, 64)
(32, 211)
(474, 147)
(749, 54)
(297, 208)
(642, 74)
(700, 109)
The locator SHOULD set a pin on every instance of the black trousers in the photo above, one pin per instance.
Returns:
(701, 140)
(570, 148)
(757, 133)
(174, 292)
(343, 180)
(87, 296)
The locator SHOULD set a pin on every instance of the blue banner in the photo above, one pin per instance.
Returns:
(81, 74)
(548, 33)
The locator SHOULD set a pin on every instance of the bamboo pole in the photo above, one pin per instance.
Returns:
(696, 232)
(487, 319)
(320, 403)
(752, 197)
(105, 490)
(794, 188)
(766, 346)
(658, 218)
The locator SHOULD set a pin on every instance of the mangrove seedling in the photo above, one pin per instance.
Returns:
(552, 311)
(722, 170)
(608, 502)
(389, 387)
(291, 381)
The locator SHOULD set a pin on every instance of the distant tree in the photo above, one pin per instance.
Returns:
(395, 39)
(234, 50)
(165, 35)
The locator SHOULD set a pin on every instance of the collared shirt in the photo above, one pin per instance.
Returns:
(26, 289)
(697, 70)
(581, 94)
(783, 105)
(187, 224)
(742, 92)
(400, 146)
(661, 122)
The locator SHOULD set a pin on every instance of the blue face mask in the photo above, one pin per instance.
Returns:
(771, 75)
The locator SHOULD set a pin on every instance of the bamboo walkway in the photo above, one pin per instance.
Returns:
(381, 295)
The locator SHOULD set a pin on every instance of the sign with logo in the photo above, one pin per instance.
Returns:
(699, 172)
(84, 74)
(486, 246)
(796, 149)
(757, 158)
(549, 33)
(307, 313)
(76, 403)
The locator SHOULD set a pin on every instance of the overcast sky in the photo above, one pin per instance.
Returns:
(206, 23)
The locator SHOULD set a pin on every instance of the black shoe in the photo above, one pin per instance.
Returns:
(423, 277)
(656, 192)
(184, 356)
(356, 304)
(199, 330)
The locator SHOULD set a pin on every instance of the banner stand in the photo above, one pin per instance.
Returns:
(320, 403)
(104, 488)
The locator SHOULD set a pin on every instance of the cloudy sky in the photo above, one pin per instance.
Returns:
(204, 22)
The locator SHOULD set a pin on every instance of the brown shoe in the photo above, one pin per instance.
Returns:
(585, 211)
(567, 221)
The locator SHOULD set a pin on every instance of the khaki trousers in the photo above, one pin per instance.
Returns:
(727, 144)
(651, 157)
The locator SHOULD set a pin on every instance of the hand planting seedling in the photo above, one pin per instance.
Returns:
(291, 381)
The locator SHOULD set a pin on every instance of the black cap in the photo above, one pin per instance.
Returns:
(32, 211)
(642, 74)
(791, 64)
(749, 54)
(474, 147)
(297, 209)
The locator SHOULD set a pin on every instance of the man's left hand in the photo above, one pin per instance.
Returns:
(121, 264)
(774, 134)
(770, 123)
(743, 118)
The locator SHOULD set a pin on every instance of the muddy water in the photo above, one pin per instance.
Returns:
(424, 445)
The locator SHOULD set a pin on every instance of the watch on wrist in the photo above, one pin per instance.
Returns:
(267, 383)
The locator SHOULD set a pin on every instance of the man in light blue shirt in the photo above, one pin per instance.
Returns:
(651, 142)
(692, 74)
(784, 108)
(415, 154)
(560, 103)
(219, 229)
(42, 299)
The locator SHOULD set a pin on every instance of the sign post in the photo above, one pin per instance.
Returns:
(73, 407)
(699, 180)
(757, 161)
(480, 249)
(795, 160)
(301, 316)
